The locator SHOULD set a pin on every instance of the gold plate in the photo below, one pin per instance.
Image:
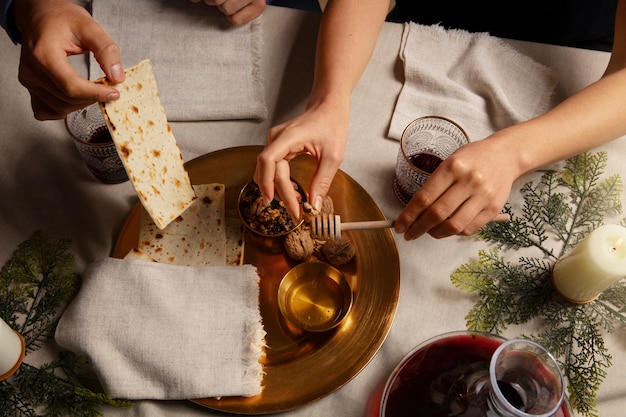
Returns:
(303, 367)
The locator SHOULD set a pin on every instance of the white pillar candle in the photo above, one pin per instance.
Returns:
(593, 265)
(11, 350)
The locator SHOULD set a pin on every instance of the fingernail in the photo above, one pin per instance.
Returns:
(113, 96)
(117, 72)
(400, 227)
(317, 202)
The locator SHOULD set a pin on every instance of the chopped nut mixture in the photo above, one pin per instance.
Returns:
(270, 220)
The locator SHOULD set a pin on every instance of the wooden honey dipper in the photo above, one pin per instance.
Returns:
(329, 226)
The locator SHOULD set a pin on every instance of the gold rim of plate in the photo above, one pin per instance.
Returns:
(302, 367)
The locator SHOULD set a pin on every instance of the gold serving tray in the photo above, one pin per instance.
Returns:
(303, 367)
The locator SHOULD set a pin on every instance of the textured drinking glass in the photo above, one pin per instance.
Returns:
(425, 143)
(93, 141)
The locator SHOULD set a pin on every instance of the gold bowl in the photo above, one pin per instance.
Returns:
(279, 225)
(314, 296)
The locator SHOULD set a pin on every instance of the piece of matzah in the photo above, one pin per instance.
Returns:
(197, 237)
(147, 147)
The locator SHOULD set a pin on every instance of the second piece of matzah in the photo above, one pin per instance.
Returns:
(197, 237)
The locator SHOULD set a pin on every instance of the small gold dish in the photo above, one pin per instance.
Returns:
(314, 296)
(269, 225)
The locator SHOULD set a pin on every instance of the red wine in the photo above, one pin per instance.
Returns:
(425, 162)
(432, 382)
(100, 135)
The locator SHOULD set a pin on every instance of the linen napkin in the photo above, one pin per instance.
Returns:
(160, 331)
(206, 68)
(474, 79)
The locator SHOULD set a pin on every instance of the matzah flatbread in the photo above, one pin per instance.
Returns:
(235, 235)
(197, 237)
(147, 147)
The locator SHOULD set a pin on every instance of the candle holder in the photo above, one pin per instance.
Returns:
(12, 352)
(571, 300)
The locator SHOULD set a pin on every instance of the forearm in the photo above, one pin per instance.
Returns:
(592, 117)
(584, 121)
(346, 40)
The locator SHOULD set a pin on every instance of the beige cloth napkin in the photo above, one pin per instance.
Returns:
(157, 331)
(206, 68)
(472, 78)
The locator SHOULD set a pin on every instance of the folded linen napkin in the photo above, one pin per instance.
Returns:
(472, 78)
(206, 68)
(159, 331)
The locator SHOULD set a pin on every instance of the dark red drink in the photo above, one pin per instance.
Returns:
(434, 380)
(100, 135)
(426, 162)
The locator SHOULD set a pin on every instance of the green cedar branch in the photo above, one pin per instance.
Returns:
(558, 212)
(35, 284)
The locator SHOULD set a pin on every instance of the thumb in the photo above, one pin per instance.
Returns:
(106, 52)
(320, 184)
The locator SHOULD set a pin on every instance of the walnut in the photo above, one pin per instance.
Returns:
(338, 251)
(327, 206)
(299, 244)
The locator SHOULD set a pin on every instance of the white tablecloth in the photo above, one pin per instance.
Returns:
(44, 185)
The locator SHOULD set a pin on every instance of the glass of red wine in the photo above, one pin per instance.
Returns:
(425, 143)
(94, 143)
(472, 374)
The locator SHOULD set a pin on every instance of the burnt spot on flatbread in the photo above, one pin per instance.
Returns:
(139, 86)
(125, 150)
(135, 109)
(150, 123)
(158, 236)
(157, 153)
(207, 200)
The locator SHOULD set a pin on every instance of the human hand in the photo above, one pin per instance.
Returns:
(321, 132)
(238, 12)
(465, 192)
(51, 31)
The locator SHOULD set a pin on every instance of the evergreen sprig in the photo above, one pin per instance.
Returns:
(35, 284)
(558, 212)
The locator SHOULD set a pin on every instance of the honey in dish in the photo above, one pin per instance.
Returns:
(314, 302)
